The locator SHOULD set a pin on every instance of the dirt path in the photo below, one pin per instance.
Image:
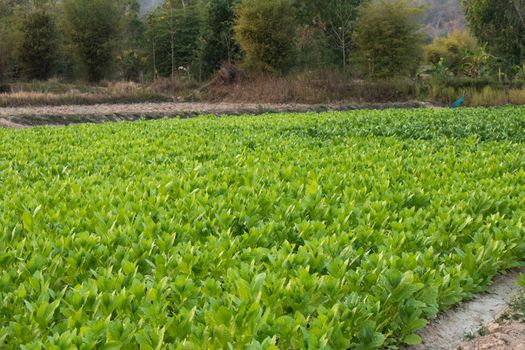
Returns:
(503, 334)
(450, 329)
(71, 114)
(143, 108)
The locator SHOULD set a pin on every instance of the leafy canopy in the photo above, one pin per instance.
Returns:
(500, 24)
(265, 31)
(95, 27)
(388, 39)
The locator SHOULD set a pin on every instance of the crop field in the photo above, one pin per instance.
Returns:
(340, 230)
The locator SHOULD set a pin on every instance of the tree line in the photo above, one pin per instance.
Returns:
(112, 39)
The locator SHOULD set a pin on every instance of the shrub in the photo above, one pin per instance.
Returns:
(37, 50)
(501, 25)
(265, 30)
(3, 62)
(94, 27)
(219, 45)
(457, 50)
(388, 39)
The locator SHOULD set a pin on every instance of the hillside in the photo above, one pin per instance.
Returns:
(148, 5)
(442, 16)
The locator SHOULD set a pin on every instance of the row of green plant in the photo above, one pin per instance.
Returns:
(193, 38)
(331, 231)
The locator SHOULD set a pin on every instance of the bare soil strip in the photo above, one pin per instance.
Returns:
(140, 108)
(501, 334)
(74, 114)
(450, 329)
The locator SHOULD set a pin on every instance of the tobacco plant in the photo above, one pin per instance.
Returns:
(345, 230)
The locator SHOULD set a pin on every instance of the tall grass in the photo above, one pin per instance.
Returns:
(320, 87)
(311, 88)
(53, 93)
(474, 97)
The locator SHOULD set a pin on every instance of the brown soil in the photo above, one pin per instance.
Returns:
(450, 328)
(142, 108)
(73, 114)
(499, 335)
(6, 123)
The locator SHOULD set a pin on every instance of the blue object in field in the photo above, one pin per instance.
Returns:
(458, 102)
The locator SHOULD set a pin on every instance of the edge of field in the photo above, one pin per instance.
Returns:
(23, 117)
(453, 327)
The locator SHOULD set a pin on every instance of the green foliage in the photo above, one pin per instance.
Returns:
(325, 31)
(7, 38)
(133, 51)
(500, 24)
(189, 40)
(314, 51)
(3, 59)
(336, 231)
(388, 39)
(131, 64)
(218, 44)
(174, 33)
(38, 51)
(265, 31)
(458, 51)
(94, 27)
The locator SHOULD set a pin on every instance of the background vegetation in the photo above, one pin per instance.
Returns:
(376, 50)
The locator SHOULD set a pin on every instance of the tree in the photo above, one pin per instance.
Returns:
(500, 24)
(340, 25)
(7, 42)
(388, 39)
(171, 25)
(3, 61)
(94, 27)
(325, 31)
(218, 42)
(265, 31)
(37, 51)
(152, 42)
(173, 33)
(132, 50)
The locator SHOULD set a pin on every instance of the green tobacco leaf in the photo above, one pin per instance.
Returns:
(27, 220)
(412, 339)
(112, 345)
(333, 230)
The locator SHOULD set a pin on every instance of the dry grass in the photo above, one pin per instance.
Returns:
(54, 93)
(71, 98)
(179, 88)
(484, 97)
(311, 88)
(322, 87)
(517, 97)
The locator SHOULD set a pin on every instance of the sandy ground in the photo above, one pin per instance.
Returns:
(450, 329)
(499, 335)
